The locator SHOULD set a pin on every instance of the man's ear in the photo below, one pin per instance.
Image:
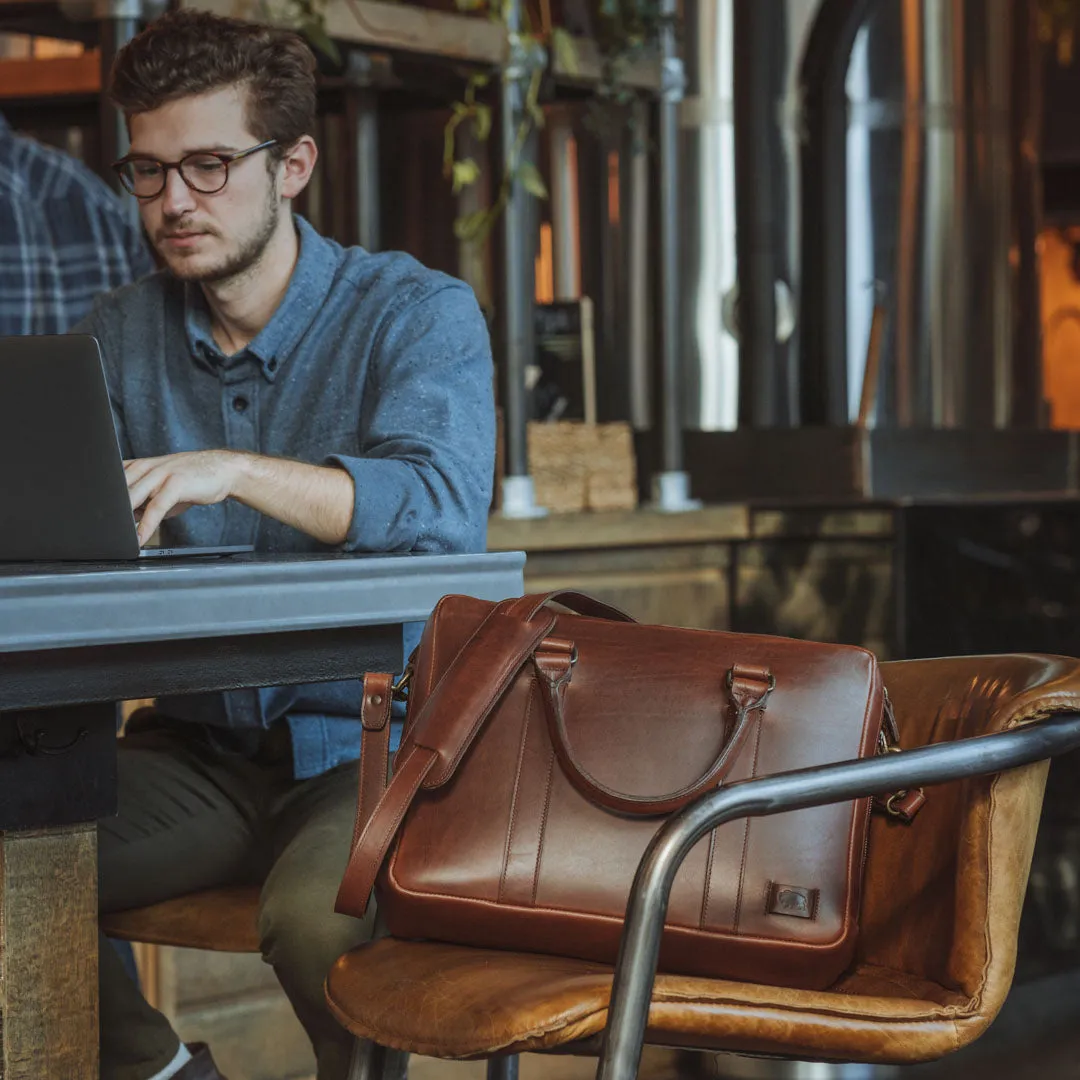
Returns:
(297, 166)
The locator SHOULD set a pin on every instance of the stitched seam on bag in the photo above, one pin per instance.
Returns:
(613, 920)
(517, 786)
(543, 825)
(434, 648)
(746, 833)
(703, 921)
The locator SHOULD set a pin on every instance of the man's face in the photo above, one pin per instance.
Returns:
(208, 237)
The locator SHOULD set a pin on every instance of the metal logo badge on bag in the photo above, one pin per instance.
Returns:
(792, 900)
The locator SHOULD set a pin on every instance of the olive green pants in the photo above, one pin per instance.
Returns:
(193, 816)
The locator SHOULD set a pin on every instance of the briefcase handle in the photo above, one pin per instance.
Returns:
(749, 686)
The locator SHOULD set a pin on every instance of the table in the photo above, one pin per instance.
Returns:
(75, 639)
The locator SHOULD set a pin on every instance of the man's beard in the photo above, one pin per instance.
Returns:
(241, 261)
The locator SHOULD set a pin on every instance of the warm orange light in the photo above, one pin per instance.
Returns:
(545, 267)
(1060, 293)
(613, 187)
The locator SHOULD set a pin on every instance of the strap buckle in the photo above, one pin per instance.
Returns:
(399, 689)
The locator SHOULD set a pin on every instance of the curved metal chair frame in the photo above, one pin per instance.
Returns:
(635, 970)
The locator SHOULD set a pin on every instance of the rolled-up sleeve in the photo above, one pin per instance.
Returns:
(424, 476)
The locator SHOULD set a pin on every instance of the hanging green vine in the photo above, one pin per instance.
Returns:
(308, 17)
(527, 54)
(624, 30)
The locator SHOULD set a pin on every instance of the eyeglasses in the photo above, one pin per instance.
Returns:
(205, 171)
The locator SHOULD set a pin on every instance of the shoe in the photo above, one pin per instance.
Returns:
(201, 1066)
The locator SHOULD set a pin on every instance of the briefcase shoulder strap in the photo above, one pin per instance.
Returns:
(444, 729)
(581, 603)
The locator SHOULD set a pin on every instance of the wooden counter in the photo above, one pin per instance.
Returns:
(817, 572)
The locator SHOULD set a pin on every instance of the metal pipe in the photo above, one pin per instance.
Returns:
(755, 256)
(670, 486)
(564, 209)
(635, 968)
(518, 267)
(673, 85)
(503, 1067)
(519, 336)
(823, 277)
(117, 25)
(638, 311)
(365, 117)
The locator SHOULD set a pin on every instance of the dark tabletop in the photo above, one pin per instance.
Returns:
(47, 606)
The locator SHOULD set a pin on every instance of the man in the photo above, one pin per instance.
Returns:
(64, 238)
(269, 387)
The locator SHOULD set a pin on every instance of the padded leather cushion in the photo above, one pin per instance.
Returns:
(464, 1002)
(222, 920)
(937, 947)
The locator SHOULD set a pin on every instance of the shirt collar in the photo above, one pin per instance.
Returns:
(316, 266)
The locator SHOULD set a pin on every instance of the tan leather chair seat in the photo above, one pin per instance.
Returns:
(937, 947)
(489, 1002)
(222, 920)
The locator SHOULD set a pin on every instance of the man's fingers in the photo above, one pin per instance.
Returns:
(146, 486)
(136, 468)
(155, 511)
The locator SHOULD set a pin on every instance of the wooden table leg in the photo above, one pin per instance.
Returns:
(48, 954)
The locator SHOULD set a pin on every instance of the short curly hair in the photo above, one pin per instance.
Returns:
(190, 52)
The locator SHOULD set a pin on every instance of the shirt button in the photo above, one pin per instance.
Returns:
(240, 403)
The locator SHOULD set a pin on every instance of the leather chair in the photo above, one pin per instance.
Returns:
(941, 910)
(220, 920)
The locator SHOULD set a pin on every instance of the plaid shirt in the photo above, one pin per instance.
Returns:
(64, 238)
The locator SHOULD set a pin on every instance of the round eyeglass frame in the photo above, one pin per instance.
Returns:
(226, 159)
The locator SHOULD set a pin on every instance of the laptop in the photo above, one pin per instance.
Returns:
(62, 489)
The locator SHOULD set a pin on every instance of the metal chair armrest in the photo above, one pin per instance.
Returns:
(639, 948)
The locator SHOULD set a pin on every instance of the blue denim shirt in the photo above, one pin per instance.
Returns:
(371, 363)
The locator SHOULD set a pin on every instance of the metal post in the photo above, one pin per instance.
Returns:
(503, 1067)
(638, 322)
(118, 22)
(671, 486)
(635, 968)
(519, 344)
(754, 109)
(367, 171)
(823, 260)
(564, 209)
(362, 125)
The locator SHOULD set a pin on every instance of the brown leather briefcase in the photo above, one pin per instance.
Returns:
(541, 751)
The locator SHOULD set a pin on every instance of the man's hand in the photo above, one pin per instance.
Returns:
(316, 500)
(163, 487)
